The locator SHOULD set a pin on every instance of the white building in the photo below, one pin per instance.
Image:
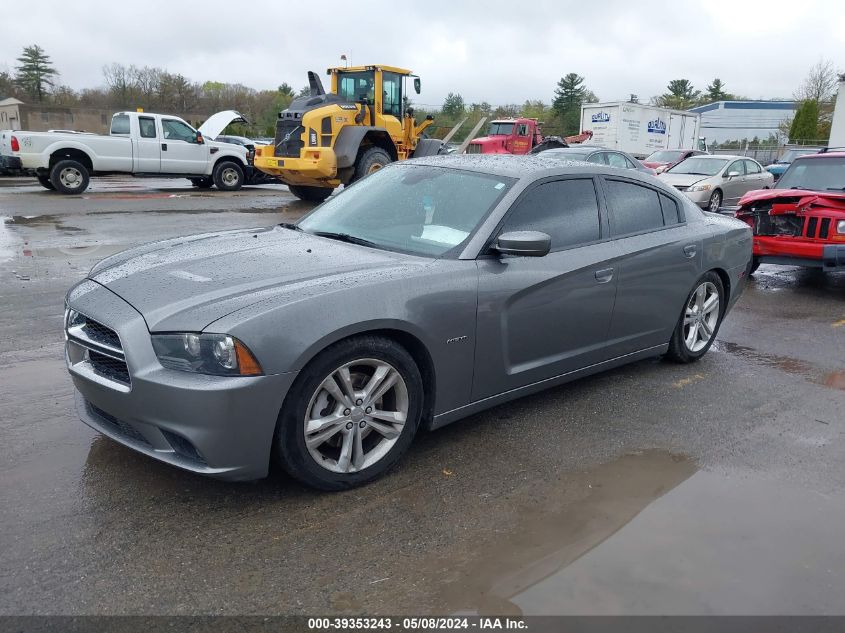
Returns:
(731, 120)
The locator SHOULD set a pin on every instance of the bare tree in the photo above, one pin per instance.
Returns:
(820, 83)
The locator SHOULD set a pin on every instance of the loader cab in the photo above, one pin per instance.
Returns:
(383, 87)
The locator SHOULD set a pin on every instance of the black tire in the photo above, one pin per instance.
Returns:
(69, 177)
(678, 349)
(44, 181)
(290, 447)
(755, 264)
(715, 201)
(228, 175)
(370, 160)
(310, 194)
(202, 183)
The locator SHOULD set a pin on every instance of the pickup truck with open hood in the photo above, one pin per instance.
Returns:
(139, 143)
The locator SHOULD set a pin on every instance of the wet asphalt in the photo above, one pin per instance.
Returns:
(713, 488)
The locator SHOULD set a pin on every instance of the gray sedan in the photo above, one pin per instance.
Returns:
(715, 181)
(431, 290)
(599, 156)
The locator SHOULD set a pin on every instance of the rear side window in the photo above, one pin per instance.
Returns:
(618, 160)
(567, 210)
(751, 167)
(148, 127)
(120, 124)
(671, 212)
(634, 208)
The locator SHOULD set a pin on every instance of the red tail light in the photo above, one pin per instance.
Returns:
(16, 147)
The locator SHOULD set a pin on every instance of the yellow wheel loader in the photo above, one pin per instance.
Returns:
(324, 140)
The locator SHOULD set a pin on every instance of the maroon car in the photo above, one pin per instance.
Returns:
(801, 221)
(663, 159)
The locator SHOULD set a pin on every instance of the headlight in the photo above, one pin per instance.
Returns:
(216, 354)
(698, 188)
(840, 227)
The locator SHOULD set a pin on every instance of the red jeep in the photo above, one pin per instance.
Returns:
(801, 222)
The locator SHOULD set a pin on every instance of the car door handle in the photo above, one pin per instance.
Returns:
(690, 250)
(164, 147)
(604, 275)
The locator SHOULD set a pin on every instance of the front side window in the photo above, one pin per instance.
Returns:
(566, 210)
(120, 124)
(357, 86)
(736, 167)
(634, 208)
(392, 94)
(177, 131)
(418, 209)
(148, 127)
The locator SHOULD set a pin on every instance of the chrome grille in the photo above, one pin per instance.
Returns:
(99, 345)
(473, 148)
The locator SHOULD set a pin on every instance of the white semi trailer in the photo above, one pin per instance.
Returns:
(641, 129)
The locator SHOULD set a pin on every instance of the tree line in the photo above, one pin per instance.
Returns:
(153, 88)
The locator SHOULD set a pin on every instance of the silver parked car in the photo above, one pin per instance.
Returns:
(433, 289)
(715, 181)
(599, 156)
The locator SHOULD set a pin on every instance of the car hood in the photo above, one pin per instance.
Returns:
(681, 180)
(216, 123)
(185, 284)
(836, 199)
(653, 164)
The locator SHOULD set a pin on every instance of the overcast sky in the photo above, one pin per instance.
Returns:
(500, 52)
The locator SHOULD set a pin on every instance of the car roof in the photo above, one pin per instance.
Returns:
(823, 155)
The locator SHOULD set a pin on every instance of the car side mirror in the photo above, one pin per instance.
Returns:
(731, 174)
(523, 243)
(417, 85)
(198, 139)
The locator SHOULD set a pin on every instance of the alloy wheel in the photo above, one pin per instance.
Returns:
(715, 201)
(229, 177)
(356, 415)
(70, 177)
(701, 316)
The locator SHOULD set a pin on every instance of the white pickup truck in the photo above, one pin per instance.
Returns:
(139, 143)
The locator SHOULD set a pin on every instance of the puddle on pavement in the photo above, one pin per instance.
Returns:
(813, 373)
(653, 536)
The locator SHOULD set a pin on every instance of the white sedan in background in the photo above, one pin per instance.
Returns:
(715, 181)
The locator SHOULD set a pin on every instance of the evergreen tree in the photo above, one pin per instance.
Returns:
(805, 125)
(570, 94)
(681, 95)
(716, 92)
(453, 106)
(35, 73)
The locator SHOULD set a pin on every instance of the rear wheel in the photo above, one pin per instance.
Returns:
(69, 176)
(44, 181)
(699, 321)
(351, 414)
(310, 194)
(228, 176)
(202, 183)
(369, 161)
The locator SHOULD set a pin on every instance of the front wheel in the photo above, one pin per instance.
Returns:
(715, 201)
(351, 414)
(44, 181)
(310, 194)
(69, 177)
(699, 321)
(228, 176)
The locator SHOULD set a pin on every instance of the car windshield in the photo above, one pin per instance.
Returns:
(814, 174)
(500, 127)
(664, 156)
(699, 166)
(417, 209)
(792, 154)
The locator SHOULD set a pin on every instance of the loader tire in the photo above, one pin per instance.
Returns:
(370, 160)
(310, 194)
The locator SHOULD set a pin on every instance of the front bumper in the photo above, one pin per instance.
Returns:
(316, 166)
(798, 252)
(218, 426)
